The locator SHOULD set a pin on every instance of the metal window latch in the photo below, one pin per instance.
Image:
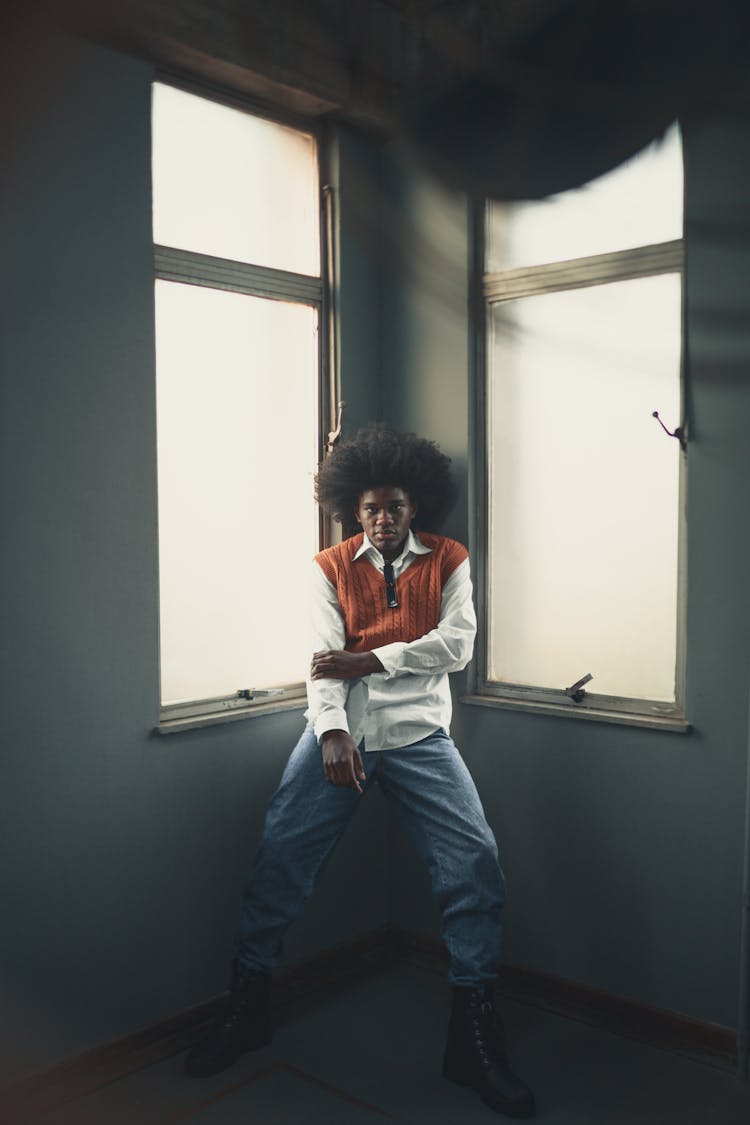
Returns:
(335, 434)
(576, 690)
(678, 433)
(251, 693)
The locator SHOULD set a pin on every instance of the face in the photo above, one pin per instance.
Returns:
(385, 515)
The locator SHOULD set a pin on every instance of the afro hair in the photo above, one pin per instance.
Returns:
(377, 457)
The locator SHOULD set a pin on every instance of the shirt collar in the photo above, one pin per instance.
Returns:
(411, 543)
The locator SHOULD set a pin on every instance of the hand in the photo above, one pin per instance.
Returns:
(342, 761)
(335, 664)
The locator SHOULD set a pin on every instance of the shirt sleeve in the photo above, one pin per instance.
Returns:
(449, 646)
(326, 699)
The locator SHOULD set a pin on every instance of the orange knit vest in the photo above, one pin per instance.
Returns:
(360, 588)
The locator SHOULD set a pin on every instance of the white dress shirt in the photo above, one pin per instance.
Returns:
(411, 697)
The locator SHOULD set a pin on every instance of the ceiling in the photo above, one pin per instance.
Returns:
(482, 84)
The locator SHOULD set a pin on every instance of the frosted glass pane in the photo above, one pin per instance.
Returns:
(237, 442)
(584, 488)
(636, 204)
(233, 185)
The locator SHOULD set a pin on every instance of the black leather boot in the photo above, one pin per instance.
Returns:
(245, 1025)
(475, 1054)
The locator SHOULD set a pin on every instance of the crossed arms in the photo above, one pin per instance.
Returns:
(447, 648)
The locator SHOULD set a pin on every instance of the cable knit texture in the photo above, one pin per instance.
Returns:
(361, 592)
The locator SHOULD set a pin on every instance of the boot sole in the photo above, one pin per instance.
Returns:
(453, 1074)
(197, 1071)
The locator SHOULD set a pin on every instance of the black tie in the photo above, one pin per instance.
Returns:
(390, 586)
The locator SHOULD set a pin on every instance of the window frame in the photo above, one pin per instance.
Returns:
(208, 271)
(488, 289)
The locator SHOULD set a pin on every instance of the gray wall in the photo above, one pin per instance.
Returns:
(623, 848)
(123, 853)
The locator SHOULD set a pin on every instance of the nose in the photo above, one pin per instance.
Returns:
(385, 518)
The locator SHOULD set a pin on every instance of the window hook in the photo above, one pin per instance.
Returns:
(576, 690)
(679, 433)
(334, 435)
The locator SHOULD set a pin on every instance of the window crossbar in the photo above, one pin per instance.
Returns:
(577, 273)
(192, 268)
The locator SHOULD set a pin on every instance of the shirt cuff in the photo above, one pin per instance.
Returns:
(333, 718)
(390, 657)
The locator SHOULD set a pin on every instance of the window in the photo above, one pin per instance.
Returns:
(583, 488)
(239, 301)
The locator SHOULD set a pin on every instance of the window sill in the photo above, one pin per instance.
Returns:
(211, 719)
(675, 724)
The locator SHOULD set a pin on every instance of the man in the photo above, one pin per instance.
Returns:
(392, 616)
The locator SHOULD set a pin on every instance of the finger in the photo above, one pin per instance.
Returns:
(359, 765)
(353, 768)
(354, 784)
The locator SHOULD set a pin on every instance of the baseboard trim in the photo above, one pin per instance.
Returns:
(23, 1100)
(604, 1010)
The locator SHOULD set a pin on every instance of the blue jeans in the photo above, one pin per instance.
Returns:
(432, 791)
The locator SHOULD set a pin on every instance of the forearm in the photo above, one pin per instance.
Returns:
(433, 653)
(337, 664)
(326, 705)
(327, 698)
(446, 648)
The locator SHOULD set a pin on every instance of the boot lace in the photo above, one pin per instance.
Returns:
(485, 1034)
(242, 1001)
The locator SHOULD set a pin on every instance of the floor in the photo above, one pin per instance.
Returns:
(369, 1049)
